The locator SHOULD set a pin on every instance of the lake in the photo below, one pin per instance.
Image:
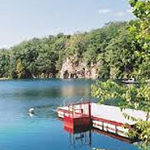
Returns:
(44, 131)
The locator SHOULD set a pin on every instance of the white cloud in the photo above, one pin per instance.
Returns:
(120, 14)
(104, 11)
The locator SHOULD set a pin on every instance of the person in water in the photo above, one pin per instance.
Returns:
(31, 112)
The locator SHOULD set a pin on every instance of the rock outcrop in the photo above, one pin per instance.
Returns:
(71, 69)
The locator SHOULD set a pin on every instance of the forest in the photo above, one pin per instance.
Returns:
(113, 47)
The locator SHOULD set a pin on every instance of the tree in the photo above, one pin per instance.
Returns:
(127, 97)
(19, 69)
(4, 63)
(120, 55)
(141, 31)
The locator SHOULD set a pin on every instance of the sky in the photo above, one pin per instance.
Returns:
(21, 20)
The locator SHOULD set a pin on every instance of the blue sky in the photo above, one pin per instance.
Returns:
(24, 19)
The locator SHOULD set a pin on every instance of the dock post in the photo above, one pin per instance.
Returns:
(89, 110)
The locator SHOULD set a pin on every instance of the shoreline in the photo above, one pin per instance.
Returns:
(2, 79)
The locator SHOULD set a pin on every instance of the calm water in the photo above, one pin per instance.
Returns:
(19, 131)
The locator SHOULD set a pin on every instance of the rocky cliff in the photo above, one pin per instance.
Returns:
(71, 69)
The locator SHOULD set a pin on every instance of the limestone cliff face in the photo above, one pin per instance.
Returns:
(78, 70)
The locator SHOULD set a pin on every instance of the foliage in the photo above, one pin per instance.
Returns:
(32, 59)
(141, 31)
(19, 69)
(134, 97)
(4, 63)
(43, 58)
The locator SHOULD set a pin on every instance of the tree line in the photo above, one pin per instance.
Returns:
(112, 47)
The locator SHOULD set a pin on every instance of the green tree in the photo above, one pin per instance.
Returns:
(141, 31)
(4, 63)
(19, 69)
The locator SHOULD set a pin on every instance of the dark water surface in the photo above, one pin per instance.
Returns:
(19, 131)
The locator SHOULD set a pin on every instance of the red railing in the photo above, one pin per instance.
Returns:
(78, 110)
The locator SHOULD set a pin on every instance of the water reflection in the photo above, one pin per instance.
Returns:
(70, 90)
(79, 137)
(72, 94)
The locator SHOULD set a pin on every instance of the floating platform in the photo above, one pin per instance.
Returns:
(105, 118)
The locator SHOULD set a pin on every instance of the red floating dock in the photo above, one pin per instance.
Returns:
(77, 118)
(80, 116)
(74, 125)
